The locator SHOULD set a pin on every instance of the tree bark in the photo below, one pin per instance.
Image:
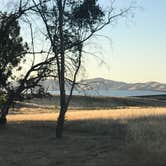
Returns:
(63, 109)
(60, 123)
(4, 112)
(61, 73)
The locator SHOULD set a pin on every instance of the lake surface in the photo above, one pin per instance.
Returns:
(113, 93)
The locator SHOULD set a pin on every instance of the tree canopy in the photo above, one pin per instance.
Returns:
(12, 48)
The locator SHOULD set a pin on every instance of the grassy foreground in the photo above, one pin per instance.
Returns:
(134, 136)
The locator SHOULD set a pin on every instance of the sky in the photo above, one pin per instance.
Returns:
(136, 50)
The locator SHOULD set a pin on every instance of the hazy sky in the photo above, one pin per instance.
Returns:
(137, 52)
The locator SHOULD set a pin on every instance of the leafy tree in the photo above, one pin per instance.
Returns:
(12, 48)
(13, 53)
(69, 24)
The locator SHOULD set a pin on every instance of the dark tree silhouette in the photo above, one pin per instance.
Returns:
(69, 24)
(12, 50)
(12, 56)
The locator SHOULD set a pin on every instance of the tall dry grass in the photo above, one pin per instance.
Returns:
(41, 114)
(133, 136)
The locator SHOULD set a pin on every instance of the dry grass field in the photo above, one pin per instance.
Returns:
(133, 136)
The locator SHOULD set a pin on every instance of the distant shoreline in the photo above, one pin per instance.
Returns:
(113, 93)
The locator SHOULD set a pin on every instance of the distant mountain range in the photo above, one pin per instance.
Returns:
(105, 84)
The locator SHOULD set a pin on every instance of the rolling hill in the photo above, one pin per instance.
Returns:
(105, 84)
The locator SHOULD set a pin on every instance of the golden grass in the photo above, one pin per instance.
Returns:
(128, 113)
(133, 136)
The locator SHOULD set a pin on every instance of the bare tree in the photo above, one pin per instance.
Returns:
(69, 24)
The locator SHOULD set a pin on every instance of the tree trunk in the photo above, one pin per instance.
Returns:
(60, 124)
(63, 109)
(61, 73)
(4, 112)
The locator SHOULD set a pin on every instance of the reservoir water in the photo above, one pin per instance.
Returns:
(113, 93)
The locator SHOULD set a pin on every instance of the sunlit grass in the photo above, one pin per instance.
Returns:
(133, 136)
(114, 114)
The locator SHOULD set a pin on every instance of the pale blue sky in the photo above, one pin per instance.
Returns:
(138, 49)
(137, 52)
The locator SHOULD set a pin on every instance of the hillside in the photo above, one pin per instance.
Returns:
(97, 84)
(51, 103)
(105, 84)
